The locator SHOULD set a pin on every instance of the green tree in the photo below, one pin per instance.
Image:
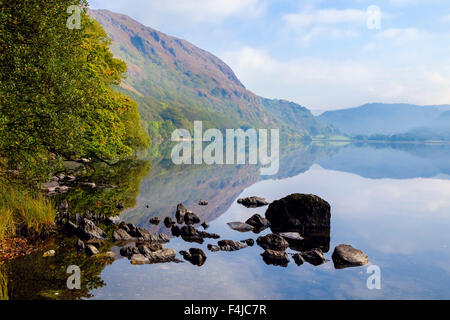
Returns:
(57, 99)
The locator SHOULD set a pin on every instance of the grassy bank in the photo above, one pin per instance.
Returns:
(23, 213)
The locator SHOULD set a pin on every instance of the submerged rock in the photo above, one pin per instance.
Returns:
(272, 241)
(274, 257)
(303, 213)
(253, 202)
(314, 257)
(345, 256)
(230, 245)
(195, 256)
(240, 226)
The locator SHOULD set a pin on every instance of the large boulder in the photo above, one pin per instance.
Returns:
(273, 242)
(87, 230)
(345, 256)
(191, 218)
(303, 213)
(190, 234)
(160, 256)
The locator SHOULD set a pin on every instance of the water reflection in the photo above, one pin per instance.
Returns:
(390, 201)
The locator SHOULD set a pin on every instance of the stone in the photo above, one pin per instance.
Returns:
(176, 231)
(191, 218)
(240, 226)
(249, 242)
(168, 222)
(257, 222)
(49, 253)
(298, 259)
(190, 234)
(345, 256)
(91, 250)
(205, 225)
(128, 251)
(138, 259)
(195, 256)
(213, 248)
(272, 241)
(121, 235)
(230, 245)
(303, 213)
(88, 230)
(202, 202)
(208, 235)
(96, 242)
(163, 238)
(179, 214)
(155, 221)
(314, 257)
(112, 220)
(80, 246)
(253, 202)
(147, 249)
(164, 255)
(274, 257)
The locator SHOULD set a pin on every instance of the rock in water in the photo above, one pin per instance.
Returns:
(213, 248)
(191, 218)
(240, 226)
(272, 241)
(195, 256)
(253, 202)
(121, 235)
(87, 230)
(314, 257)
(345, 256)
(154, 221)
(138, 259)
(179, 214)
(298, 259)
(168, 222)
(249, 242)
(258, 223)
(303, 213)
(230, 245)
(277, 258)
(202, 203)
(205, 225)
(190, 234)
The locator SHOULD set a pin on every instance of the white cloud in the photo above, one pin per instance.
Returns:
(402, 35)
(446, 18)
(331, 84)
(198, 11)
(325, 16)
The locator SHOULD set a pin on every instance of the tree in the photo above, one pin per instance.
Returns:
(57, 100)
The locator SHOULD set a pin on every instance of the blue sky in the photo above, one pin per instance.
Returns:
(320, 54)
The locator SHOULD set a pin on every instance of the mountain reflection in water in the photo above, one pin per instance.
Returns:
(392, 201)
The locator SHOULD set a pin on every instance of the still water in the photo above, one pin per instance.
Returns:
(390, 201)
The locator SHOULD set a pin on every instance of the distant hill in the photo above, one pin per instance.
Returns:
(175, 82)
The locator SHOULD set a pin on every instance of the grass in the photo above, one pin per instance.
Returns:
(23, 213)
(3, 284)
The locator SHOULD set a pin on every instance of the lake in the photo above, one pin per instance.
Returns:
(392, 201)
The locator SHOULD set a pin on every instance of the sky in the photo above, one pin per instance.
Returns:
(321, 54)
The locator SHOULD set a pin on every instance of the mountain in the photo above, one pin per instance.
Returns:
(174, 83)
(386, 119)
